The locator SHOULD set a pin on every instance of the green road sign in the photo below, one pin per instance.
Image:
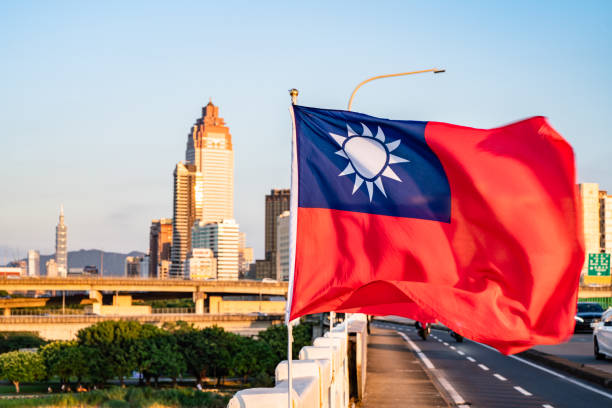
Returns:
(599, 265)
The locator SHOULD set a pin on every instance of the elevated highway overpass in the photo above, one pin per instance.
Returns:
(200, 289)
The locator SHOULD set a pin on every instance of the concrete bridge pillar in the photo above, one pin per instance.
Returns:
(198, 298)
(95, 294)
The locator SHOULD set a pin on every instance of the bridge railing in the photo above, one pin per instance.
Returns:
(327, 375)
(47, 312)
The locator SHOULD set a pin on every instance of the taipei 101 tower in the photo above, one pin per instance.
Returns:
(61, 253)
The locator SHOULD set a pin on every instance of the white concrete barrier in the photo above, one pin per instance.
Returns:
(321, 375)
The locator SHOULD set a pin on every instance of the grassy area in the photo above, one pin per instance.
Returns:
(132, 397)
(26, 388)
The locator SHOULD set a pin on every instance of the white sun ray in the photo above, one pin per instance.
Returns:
(380, 135)
(390, 174)
(348, 170)
(379, 184)
(339, 139)
(350, 132)
(393, 145)
(358, 182)
(370, 189)
(366, 131)
(395, 159)
(341, 153)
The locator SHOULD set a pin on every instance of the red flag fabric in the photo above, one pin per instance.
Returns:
(478, 229)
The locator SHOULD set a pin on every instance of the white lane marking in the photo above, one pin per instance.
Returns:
(453, 348)
(500, 377)
(418, 351)
(546, 370)
(445, 343)
(458, 399)
(484, 367)
(461, 353)
(523, 391)
(471, 359)
(440, 340)
(547, 406)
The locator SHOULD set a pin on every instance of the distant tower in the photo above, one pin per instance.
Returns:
(209, 149)
(33, 263)
(276, 203)
(61, 245)
(186, 178)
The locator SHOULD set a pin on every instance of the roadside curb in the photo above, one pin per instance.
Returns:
(578, 370)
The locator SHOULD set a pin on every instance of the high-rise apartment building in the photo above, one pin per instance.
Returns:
(61, 245)
(209, 149)
(222, 238)
(132, 266)
(245, 256)
(201, 264)
(282, 247)
(185, 213)
(597, 226)
(276, 203)
(33, 263)
(51, 266)
(160, 242)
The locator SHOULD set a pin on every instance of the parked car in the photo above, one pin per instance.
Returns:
(588, 312)
(602, 336)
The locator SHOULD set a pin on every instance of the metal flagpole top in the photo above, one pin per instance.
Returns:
(294, 94)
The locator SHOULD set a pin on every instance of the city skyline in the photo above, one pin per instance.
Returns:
(95, 113)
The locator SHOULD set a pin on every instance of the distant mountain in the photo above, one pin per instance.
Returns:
(114, 263)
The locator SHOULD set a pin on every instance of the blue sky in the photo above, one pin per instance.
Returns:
(96, 99)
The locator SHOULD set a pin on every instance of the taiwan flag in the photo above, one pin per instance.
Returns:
(479, 229)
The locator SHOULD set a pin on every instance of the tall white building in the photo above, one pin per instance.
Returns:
(282, 246)
(201, 264)
(209, 149)
(222, 238)
(51, 266)
(33, 263)
(61, 245)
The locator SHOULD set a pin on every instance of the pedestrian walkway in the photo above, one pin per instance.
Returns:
(395, 376)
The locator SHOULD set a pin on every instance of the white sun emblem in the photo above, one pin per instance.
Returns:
(369, 157)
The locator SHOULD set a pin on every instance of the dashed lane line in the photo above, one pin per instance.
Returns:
(547, 406)
(523, 391)
(445, 343)
(546, 370)
(500, 377)
(457, 399)
(461, 353)
(471, 359)
(484, 367)
(453, 348)
(418, 352)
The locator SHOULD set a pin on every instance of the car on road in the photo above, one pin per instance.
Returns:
(587, 313)
(602, 336)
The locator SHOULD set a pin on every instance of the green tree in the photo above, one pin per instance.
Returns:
(276, 337)
(161, 356)
(21, 366)
(111, 348)
(252, 358)
(65, 359)
(18, 340)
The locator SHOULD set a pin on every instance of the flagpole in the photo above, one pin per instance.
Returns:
(294, 94)
(434, 70)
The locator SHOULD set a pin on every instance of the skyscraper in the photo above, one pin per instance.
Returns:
(33, 263)
(222, 238)
(245, 255)
(209, 149)
(61, 245)
(276, 203)
(160, 242)
(282, 247)
(185, 214)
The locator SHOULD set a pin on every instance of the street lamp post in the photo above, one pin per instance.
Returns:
(434, 70)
